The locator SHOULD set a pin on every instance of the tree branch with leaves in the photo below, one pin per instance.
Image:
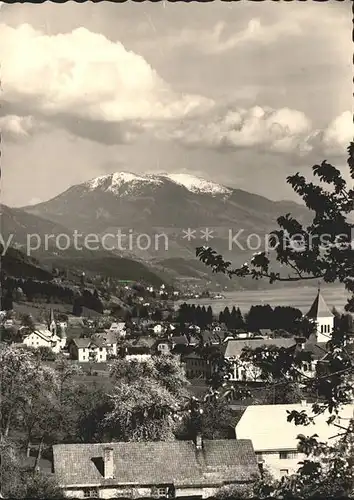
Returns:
(323, 250)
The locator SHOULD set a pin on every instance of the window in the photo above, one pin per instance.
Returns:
(322, 329)
(123, 493)
(162, 492)
(90, 493)
(284, 455)
(284, 472)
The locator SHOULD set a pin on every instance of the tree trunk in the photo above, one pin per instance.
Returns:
(28, 441)
(7, 427)
(39, 455)
(28, 448)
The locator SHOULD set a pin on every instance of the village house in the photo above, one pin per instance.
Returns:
(178, 469)
(41, 336)
(139, 349)
(118, 329)
(8, 323)
(246, 371)
(197, 367)
(194, 329)
(87, 350)
(109, 338)
(318, 354)
(158, 329)
(212, 338)
(275, 439)
(166, 345)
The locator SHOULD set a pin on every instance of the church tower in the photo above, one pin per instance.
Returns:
(52, 326)
(323, 317)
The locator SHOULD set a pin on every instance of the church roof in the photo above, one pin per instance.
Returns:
(319, 308)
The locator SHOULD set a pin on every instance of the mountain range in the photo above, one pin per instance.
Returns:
(170, 204)
(162, 206)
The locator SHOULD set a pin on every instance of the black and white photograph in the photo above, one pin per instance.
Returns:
(177, 250)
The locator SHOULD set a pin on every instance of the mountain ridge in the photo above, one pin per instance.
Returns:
(151, 204)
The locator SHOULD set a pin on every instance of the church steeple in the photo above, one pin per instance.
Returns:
(319, 308)
(52, 326)
(322, 316)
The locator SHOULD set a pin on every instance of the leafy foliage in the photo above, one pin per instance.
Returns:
(323, 250)
(147, 399)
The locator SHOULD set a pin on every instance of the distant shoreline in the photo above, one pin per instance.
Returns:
(299, 297)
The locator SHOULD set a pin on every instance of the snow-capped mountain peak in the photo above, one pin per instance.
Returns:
(197, 184)
(115, 182)
(127, 183)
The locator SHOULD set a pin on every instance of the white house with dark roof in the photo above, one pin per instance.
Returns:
(109, 339)
(275, 440)
(246, 371)
(177, 469)
(40, 336)
(88, 350)
(323, 317)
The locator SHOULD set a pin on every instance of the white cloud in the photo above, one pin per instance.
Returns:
(255, 32)
(279, 130)
(284, 131)
(85, 76)
(339, 133)
(15, 127)
(218, 39)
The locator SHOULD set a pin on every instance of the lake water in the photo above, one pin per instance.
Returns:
(299, 297)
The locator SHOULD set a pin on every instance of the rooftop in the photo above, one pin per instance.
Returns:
(268, 428)
(154, 463)
(235, 347)
(84, 343)
(319, 308)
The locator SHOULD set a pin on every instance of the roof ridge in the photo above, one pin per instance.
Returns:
(319, 307)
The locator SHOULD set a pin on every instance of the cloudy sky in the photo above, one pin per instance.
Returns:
(240, 93)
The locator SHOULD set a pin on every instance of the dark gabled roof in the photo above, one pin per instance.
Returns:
(154, 463)
(179, 340)
(234, 348)
(318, 350)
(86, 342)
(319, 308)
(143, 341)
(108, 338)
(214, 337)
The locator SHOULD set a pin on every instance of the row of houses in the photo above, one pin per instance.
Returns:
(102, 346)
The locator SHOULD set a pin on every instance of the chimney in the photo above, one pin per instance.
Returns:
(199, 441)
(260, 462)
(303, 402)
(108, 463)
